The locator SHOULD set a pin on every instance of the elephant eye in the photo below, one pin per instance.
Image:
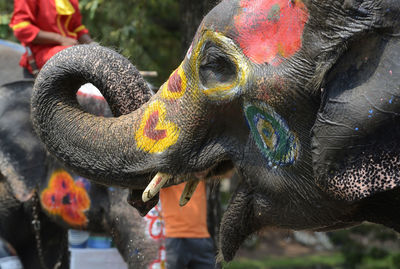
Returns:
(215, 67)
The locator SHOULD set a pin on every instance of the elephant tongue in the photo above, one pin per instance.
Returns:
(135, 200)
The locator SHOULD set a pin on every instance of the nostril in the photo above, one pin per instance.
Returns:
(135, 200)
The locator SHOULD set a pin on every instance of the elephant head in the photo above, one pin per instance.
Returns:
(300, 97)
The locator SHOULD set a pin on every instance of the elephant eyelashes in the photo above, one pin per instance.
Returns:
(216, 68)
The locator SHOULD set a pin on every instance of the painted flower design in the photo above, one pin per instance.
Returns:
(278, 144)
(65, 198)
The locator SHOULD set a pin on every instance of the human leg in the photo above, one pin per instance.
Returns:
(177, 256)
(203, 254)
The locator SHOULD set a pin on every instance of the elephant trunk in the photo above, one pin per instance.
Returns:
(237, 223)
(128, 230)
(102, 149)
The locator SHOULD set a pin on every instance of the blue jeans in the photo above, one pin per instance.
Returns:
(190, 253)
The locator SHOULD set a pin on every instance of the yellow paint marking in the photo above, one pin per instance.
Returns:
(166, 93)
(155, 134)
(223, 90)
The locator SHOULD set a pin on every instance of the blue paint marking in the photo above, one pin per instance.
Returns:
(356, 128)
(271, 134)
(86, 183)
(391, 100)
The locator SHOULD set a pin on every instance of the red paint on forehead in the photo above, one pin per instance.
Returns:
(175, 82)
(150, 128)
(270, 30)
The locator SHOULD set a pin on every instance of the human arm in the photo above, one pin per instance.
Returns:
(24, 25)
(80, 29)
(44, 37)
(23, 20)
(85, 39)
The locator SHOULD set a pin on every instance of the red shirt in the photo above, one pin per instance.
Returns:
(189, 221)
(58, 16)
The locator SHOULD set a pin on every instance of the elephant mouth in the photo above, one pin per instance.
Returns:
(145, 200)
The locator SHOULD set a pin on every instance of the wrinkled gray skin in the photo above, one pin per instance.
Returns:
(338, 94)
(24, 166)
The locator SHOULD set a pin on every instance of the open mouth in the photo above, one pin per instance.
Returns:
(145, 200)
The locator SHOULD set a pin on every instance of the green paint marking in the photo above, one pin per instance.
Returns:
(271, 134)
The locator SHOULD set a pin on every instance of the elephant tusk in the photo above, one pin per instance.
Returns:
(187, 193)
(155, 185)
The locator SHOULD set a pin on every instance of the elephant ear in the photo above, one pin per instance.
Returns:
(355, 139)
(22, 156)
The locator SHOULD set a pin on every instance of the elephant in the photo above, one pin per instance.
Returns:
(40, 199)
(300, 97)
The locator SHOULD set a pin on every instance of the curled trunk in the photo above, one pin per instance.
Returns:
(96, 147)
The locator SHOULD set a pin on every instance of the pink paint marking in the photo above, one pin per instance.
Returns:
(150, 128)
(270, 30)
(175, 82)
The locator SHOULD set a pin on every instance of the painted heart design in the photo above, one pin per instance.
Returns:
(155, 134)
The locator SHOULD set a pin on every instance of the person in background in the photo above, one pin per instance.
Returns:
(45, 27)
(188, 242)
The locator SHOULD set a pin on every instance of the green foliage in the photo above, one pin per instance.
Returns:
(325, 261)
(396, 261)
(368, 246)
(145, 31)
(6, 7)
(374, 254)
(306, 262)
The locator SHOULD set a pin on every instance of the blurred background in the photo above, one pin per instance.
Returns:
(154, 35)
(151, 33)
